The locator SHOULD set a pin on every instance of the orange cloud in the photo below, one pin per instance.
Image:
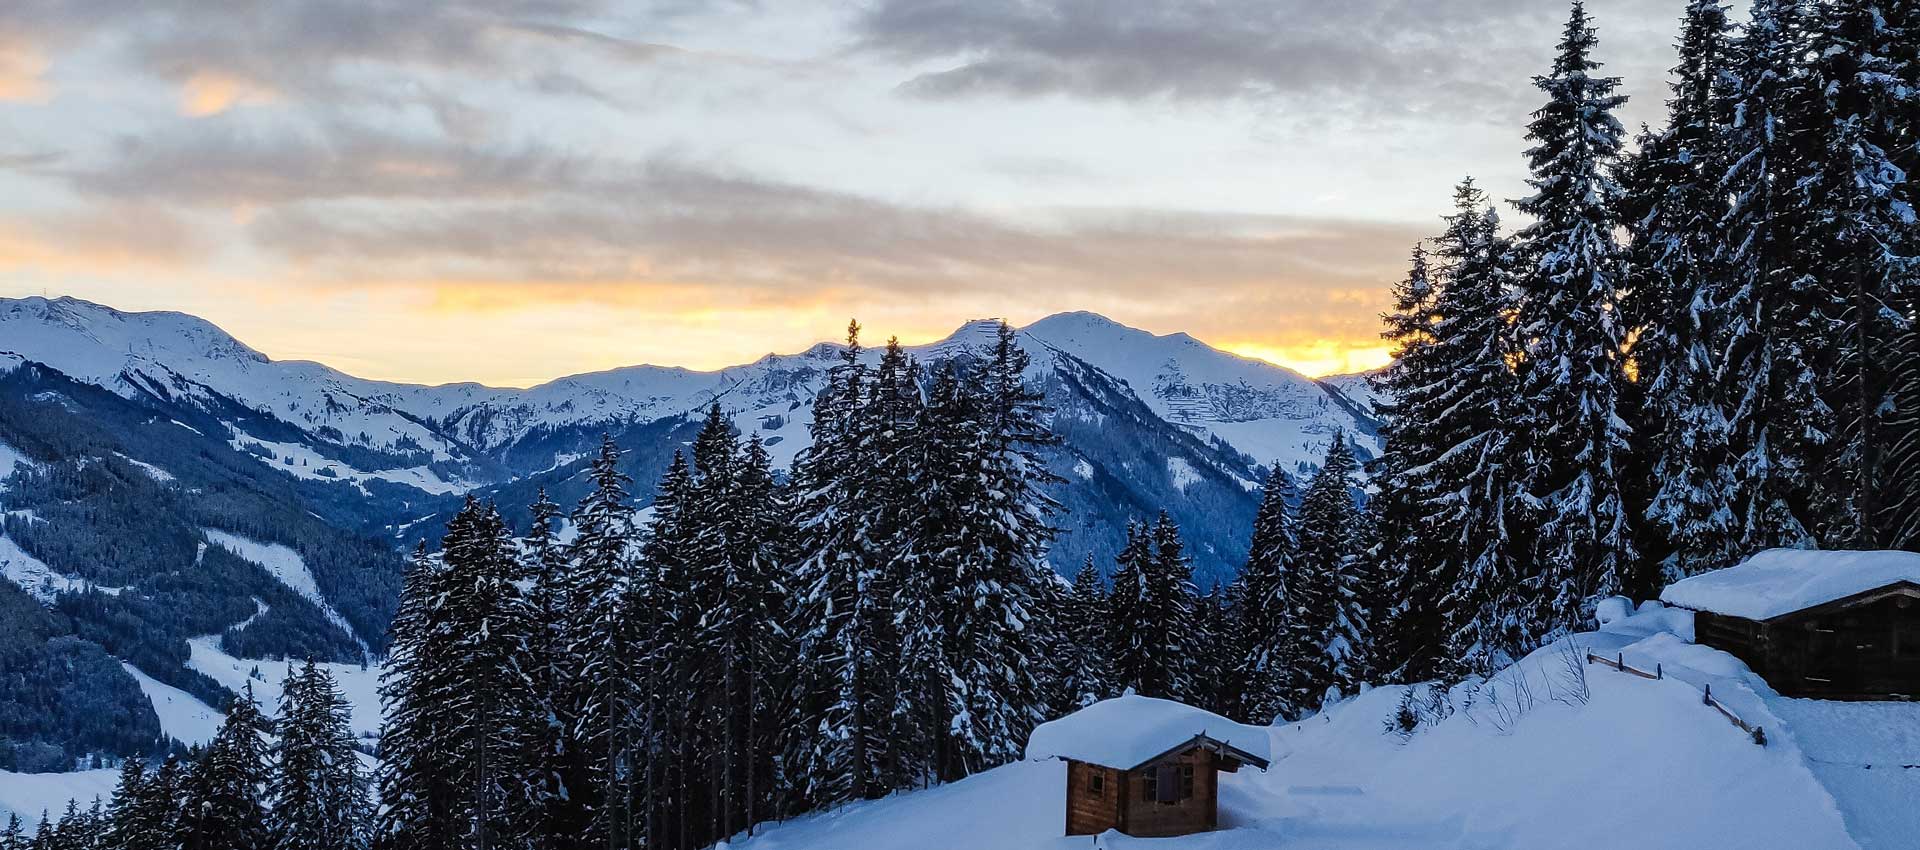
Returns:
(213, 92)
(1320, 357)
(22, 70)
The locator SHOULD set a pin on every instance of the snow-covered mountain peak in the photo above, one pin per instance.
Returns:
(1263, 411)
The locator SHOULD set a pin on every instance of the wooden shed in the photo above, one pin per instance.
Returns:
(1822, 624)
(1146, 767)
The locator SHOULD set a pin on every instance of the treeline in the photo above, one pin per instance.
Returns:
(1574, 414)
(746, 648)
(295, 783)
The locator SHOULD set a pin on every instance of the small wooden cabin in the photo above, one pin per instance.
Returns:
(1822, 624)
(1146, 767)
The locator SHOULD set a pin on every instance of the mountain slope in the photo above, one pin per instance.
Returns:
(1151, 422)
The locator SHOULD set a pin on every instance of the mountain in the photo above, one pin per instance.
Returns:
(1150, 421)
(199, 507)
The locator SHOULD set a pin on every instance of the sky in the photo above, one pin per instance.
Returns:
(510, 191)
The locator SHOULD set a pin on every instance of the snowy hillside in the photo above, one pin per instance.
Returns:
(1525, 763)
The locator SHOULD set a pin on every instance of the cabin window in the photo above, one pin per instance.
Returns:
(1166, 784)
(1096, 782)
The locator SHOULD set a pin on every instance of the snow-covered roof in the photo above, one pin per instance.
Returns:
(1125, 732)
(1781, 581)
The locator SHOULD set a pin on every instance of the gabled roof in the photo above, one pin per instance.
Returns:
(1782, 581)
(1132, 731)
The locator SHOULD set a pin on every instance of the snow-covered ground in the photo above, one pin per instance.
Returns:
(182, 715)
(360, 685)
(1638, 763)
(29, 794)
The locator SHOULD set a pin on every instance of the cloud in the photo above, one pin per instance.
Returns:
(328, 51)
(1377, 57)
(234, 163)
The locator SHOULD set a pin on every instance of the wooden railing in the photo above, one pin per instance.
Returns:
(1619, 662)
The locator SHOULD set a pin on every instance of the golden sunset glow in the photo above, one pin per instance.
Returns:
(1320, 357)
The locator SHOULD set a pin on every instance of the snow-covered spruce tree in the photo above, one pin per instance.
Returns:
(1412, 542)
(1086, 672)
(655, 774)
(14, 835)
(131, 824)
(756, 646)
(1154, 631)
(1480, 528)
(846, 668)
(461, 741)
(997, 550)
(1264, 606)
(223, 807)
(1674, 210)
(1776, 420)
(1567, 317)
(602, 657)
(1216, 652)
(159, 803)
(1329, 580)
(565, 820)
(318, 792)
(1902, 500)
(1857, 241)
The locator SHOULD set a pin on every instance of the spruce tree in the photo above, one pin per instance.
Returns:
(223, 806)
(1411, 391)
(1328, 589)
(1153, 612)
(1087, 673)
(1675, 211)
(1776, 420)
(846, 669)
(1856, 240)
(129, 822)
(1567, 316)
(463, 719)
(1265, 606)
(317, 788)
(601, 663)
(998, 549)
(564, 775)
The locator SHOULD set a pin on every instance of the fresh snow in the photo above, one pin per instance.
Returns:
(1640, 763)
(1125, 731)
(28, 794)
(182, 715)
(1779, 581)
(287, 566)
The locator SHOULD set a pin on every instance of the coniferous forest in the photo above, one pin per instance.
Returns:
(1703, 340)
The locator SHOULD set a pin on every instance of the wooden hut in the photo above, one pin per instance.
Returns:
(1146, 767)
(1828, 625)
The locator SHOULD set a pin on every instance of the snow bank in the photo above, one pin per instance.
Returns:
(1124, 732)
(1779, 581)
